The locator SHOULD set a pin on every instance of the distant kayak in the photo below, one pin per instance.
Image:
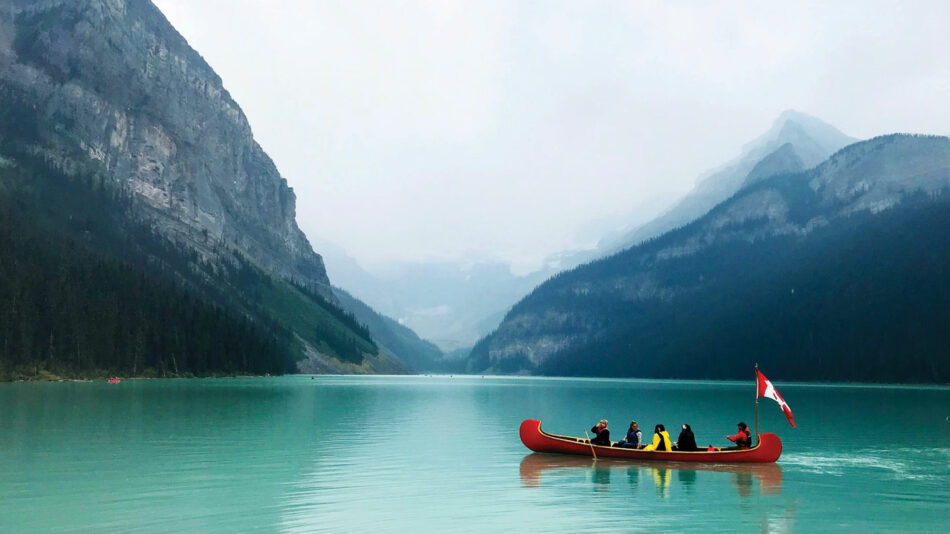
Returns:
(114, 380)
(767, 450)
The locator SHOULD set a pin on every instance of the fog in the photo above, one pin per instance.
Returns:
(513, 130)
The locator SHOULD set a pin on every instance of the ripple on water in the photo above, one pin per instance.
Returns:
(900, 463)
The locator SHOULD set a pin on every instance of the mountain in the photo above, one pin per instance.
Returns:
(785, 160)
(117, 139)
(834, 273)
(454, 303)
(111, 87)
(795, 141)
(451, 303)
(401, 343)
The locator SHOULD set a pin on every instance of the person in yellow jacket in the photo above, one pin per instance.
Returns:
(661, 440)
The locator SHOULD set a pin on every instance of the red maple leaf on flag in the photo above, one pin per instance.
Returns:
(764, 388)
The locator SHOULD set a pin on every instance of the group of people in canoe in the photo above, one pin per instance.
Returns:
(661, 438)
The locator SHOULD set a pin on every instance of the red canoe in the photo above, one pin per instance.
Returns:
(768, 449)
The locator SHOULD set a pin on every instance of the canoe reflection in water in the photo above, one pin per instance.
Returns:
(765, 479)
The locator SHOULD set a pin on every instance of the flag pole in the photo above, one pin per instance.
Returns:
(756, 402)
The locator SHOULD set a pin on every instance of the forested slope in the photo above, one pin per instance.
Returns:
(838, 273)
(415, 353)
(87, 290)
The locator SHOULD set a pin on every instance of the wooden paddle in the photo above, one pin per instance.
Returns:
(591, 445)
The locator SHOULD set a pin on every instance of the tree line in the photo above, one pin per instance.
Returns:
(68, 311)
(88, 288)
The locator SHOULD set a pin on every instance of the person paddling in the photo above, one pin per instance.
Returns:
(603, 435)
(742, 439)
(634, 437)
(661, 440)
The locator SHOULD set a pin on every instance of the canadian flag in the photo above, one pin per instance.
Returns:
(764, 388)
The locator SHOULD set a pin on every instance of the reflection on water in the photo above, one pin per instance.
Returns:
(687, 478)
(680, 486)
(746, 479)
(601, 478)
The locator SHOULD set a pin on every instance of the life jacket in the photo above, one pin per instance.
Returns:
(666, 440)
(747, 440)
(633, 437)
(661, 442)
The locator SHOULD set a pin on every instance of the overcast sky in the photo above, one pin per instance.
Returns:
(512, 130)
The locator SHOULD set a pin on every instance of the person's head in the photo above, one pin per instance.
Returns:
(686, 427)
(603, 423)
(634, 425)
(742, 426)
(659, 428)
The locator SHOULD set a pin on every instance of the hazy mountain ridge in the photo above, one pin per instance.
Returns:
(454, 304)
(414, 353)
(811, 139)
(450, 303)
(563, 320)
(784, 160)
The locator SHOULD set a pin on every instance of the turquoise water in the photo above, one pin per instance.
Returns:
(423, 454)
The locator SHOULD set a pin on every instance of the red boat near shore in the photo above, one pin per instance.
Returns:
(767, 450)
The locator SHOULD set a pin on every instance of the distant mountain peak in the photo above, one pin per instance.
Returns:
(805, 120)
(814, 138)
(798, 116)
(783, 160)
(811, 139)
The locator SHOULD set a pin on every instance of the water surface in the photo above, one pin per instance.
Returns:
(400, 454)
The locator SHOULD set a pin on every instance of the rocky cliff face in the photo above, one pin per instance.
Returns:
(644, 296)
(109, 87)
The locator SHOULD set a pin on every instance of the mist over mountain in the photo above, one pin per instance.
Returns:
(833, 273)
(450, 303)
(454, 303)
(795, 141)
(398, 341)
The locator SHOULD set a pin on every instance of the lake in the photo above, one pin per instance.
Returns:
(426, 454)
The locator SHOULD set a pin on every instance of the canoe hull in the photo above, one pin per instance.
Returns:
(767, 450)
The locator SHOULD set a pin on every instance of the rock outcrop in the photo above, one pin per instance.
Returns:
(108, 87)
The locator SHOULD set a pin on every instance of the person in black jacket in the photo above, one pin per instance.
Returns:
(634, 437)
(603, 435)
(686, 441)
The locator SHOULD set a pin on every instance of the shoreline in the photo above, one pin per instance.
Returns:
(104, 378)
(50, 378)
